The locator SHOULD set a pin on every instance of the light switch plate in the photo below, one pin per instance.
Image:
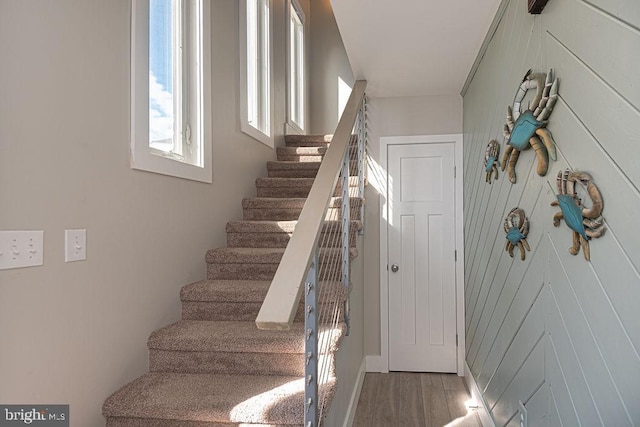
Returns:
(75, 245)
(21, 248)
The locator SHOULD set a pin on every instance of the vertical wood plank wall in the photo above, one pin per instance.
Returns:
(556, 332)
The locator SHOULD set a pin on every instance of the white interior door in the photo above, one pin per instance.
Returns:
(421, 263)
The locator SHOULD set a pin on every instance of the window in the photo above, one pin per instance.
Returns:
(255, 96)
(170, 88)
(296, 70)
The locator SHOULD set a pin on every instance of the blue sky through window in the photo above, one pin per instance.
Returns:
(161, 105)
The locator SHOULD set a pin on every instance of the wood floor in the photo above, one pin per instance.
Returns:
(414, 399)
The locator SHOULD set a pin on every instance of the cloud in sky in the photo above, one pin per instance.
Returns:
(160, 111)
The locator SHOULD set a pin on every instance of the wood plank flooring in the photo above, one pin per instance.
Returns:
(414, 399)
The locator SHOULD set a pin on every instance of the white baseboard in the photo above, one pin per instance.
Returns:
(483, 412)
(355, 396)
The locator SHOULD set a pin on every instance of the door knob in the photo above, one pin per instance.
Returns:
(395, 268)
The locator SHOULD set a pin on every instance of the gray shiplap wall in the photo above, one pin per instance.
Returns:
(557, 332)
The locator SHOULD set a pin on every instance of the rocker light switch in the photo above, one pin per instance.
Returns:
(75, 244)
(21, 249)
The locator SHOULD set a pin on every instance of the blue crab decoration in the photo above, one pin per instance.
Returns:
(490, 160)
(528, 129)
(516, 225)
(586, 223)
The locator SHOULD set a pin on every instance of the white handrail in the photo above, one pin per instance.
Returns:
(283, 298)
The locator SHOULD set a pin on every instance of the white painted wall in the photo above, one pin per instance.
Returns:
(73, 333)
(395, 117)
(328, 66)
(555, 331)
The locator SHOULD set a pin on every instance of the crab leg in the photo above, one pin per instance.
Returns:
(597, 204)
(545, 95)
(559, 183)
(509, 248)
(546, 137)
(526, 244)
(557, 217)
(505, 157)
(536, 81)
(595, 233)
(548, 105)
(510, 122)
(521, 249)
(573, 250)
(511, 170)
(543, 159)
(522, 91)
(585, 248)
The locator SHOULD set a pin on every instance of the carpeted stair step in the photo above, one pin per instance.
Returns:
(232, 347)
(286, 209)
(313, 140)
(308, 154)
(295, 187)
(223, 299)
(211, 400)
(242, 299)
(258, 263)
(276, 234)
(293, 169)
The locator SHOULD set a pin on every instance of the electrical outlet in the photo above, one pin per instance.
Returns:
(75, 245)
(21, 249)
(522, 414)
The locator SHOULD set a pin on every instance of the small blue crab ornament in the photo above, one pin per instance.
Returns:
(526, 129)
(516, 225)
(490, 160)
(586, 223)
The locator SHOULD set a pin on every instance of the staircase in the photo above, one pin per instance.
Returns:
(214, 367)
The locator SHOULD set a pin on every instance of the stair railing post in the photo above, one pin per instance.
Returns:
(346, 241)
(362, 129)
(311, 344)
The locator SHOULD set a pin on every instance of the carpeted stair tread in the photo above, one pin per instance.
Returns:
(278, 182)
(243, 291)
(238, 300)
(229, 255)
(308, 154)
(284, 182)
(281, 226)
(292, 202)
(312, 140)
(230, 337)
(213, 398)
(293, 187)
(298, 169)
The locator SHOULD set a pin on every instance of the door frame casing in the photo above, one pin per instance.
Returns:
(385, 142)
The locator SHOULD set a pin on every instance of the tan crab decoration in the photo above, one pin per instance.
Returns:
(586, 223)
(516, 225)
(526, 129)
(491, 160)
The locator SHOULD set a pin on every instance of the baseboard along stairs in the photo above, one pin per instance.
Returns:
(214, 367)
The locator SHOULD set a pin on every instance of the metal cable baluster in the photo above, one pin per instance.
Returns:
(345, 221)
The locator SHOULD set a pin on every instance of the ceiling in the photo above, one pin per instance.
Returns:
(413, 47)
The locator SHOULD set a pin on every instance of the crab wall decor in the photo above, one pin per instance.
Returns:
(586, 223)
(516, 225)
(490, 160)
(527, 129)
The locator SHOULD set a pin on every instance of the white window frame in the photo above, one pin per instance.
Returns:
(256, 70)
(198, 165)
(296, 69)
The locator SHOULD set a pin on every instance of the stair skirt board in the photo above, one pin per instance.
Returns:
(214, 367)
